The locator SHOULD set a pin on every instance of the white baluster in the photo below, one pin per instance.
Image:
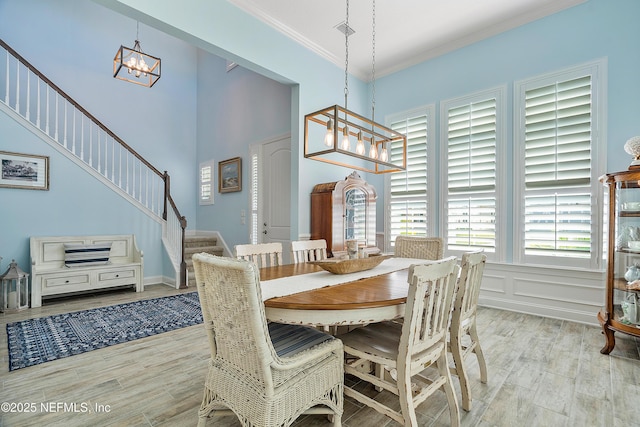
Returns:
(133, 176)
(73, 136)
(120, 167)
(153, 193)
(28, 112)
(113, 159)
(38, 104)
(82, 140)
(6, 93)
(17, 87)
(47, 112)
(146, 192)
(106, 155)
(57, 120)
(66, 131)
(99, 152)
(127, 180)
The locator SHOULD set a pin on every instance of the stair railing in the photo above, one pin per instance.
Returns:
(37, 99)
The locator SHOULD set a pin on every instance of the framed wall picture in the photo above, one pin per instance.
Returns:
(230, 175)
(24, 171)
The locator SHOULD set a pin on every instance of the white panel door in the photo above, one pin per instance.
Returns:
(276, 186)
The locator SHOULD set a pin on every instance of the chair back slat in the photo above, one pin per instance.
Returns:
(430, 248)
(262, 254)
(308, 250)
(472, 270)
(431, 292)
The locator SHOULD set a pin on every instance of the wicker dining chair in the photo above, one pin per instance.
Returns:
(463, 332)
(267, 374)
(406, 349)
(308, 250)
(430, 248)
(263, 254)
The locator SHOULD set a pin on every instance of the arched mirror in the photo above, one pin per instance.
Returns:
(344, 210)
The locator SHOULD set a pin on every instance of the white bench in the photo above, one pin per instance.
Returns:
(51, 275)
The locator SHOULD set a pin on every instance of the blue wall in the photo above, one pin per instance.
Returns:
(235, 109)
(593, 30)
(195, 111)
(73, 43)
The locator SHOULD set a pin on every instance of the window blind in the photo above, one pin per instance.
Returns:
(206, 183)
(254, 198)
(558, 134)
(471, 175)
(408, 189)
(557, 199)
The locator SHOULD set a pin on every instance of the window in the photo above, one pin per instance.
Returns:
(254, 194)
(205, 196)
(408, 211)
(473, 139)
(556, 132)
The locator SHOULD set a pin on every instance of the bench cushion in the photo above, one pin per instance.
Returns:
(82, 255)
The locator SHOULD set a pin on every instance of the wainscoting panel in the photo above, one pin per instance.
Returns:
(493, 283)
(567, 294)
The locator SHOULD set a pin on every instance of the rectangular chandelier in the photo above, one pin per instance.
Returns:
(135, 66)
(341, 137)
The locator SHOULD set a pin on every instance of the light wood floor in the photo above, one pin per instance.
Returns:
(542, 372)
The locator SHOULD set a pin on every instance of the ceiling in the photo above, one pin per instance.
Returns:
(406, 31)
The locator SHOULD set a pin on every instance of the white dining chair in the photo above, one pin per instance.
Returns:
(263, 254)
(419, 247)
(267, 374)
(407, 349)
(308, 250)
(463, 332)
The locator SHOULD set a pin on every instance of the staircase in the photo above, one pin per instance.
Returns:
(197, 244)
(30, 97)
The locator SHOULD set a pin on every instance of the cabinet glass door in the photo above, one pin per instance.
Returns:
(626, 270)
(355, 225)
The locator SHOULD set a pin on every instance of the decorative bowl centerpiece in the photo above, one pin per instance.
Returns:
(345, 266)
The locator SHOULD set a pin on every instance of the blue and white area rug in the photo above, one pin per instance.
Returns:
(44, 339)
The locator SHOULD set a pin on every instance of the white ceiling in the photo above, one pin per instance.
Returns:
(407, 31)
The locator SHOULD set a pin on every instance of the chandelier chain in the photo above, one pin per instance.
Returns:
(373, 63)
(346, 58)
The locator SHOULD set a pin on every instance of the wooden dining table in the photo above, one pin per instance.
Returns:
(356, 302)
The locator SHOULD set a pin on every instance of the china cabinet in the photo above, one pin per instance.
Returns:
(621, 312)
(344, 210)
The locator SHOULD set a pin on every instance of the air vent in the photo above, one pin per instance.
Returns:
(342, 27)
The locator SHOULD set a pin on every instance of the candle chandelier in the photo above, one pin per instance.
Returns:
(135, 66)
(328, 133)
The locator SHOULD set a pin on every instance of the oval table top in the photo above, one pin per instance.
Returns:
(372, 299)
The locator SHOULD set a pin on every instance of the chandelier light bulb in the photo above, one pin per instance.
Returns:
(346, 144)
(328, 138)
(384, 155)
(360, 144)
(373, 151)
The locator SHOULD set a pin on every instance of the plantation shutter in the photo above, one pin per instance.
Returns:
(254, 198)
(408, 189)
(206, 183)
(558, 168)
(471, 175)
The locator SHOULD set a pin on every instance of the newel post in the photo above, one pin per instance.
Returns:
(167, 184)
(183, 262)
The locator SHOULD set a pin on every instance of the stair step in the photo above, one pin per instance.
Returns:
(195, 245)
(197, 241)
(214, 250)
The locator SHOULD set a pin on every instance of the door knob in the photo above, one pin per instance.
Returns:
(264, 232)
